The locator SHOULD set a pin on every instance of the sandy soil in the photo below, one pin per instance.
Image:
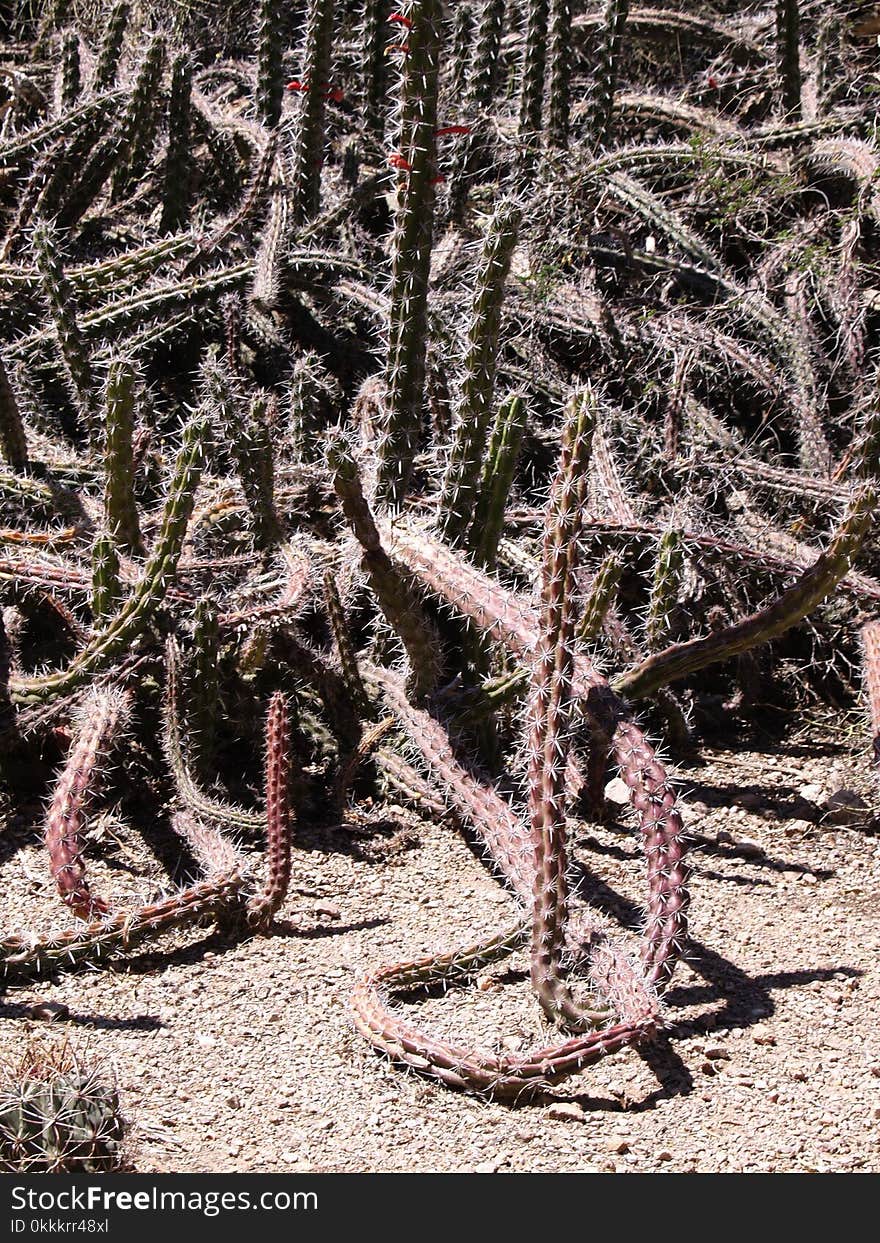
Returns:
(241, 1055)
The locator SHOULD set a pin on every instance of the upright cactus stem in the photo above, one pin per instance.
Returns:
(62, 306)
(140, 121)
(203, 686)
(599, 599)
(665, 588)
(71, 79)
(374, 63)
(788, 56)
(270, 70)
(265, 904)
(119, 501)
(411, 262)
(550, 716)
(178, 158)
(462, 34)
(560, 73)
(314, 89)
(600, 118)
(476, 403)
(487, 527)
(106, 587)
(482, 82)
(534, 63)
(13, 441)
(111, 48)
(871, 666)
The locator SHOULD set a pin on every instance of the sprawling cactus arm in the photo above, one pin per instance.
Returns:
(22, 957)
(342, 637)
(505, 835)
(101, 717)
(411, 260)
(813, 586)
(265, 904)
(511, 1077)
(141, 119)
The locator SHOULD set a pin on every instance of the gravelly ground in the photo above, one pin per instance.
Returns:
(241, 1056)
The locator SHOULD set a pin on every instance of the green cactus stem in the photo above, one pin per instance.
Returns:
(476, 402)
(120, 507)
(309, 136)
(411, 245)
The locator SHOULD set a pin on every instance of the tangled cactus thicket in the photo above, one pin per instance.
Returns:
(425, 398)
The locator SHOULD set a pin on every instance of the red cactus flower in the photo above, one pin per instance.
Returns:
(297, 86)
(399, 161)
(452, 129)
(401, 20)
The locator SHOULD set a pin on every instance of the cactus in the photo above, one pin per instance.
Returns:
(534, 62)
(786, 611)
(125, 626)
(59, 1115)
(110, 52)
(871, 666)
(600, 119)
(487, 524)
(394, 597)
(270, 71)
(308, 159)
(101, 717)
(106, 588)
(120, 507)
(178, 157)
(73, 352)
(474, 411)
(71, 81)
(788, 56)
(13, 440)
(264, 905)
(599, 599)
(411, 259)
(560, 73)
(141, 120)
(374, 62)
